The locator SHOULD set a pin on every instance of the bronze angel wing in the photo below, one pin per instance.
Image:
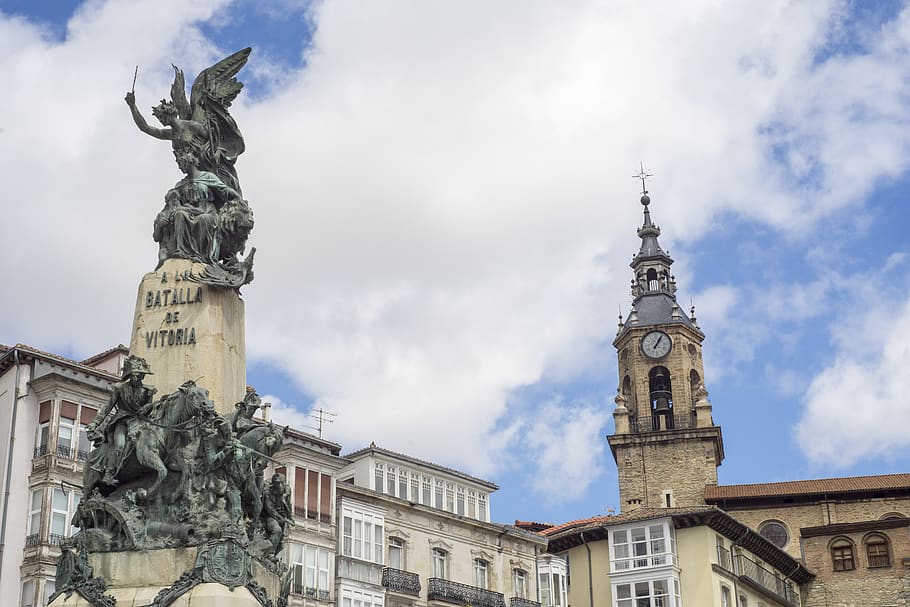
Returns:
(213, 91)
(218, 83)
(178, 94)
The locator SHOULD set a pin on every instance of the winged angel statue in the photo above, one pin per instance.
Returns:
(205, 217)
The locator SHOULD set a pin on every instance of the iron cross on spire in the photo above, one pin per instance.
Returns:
(643, 176)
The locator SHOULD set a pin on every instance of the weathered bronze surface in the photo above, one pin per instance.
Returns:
(205, 217)
(172, 473)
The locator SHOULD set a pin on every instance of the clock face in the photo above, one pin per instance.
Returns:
(656, 344)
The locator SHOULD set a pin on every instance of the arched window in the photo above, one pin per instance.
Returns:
(877, 552)
(661, 393)
(842, 555)
(725, 597)
(652, 280)
(891, 515)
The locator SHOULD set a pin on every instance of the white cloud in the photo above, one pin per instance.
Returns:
(857, 407)
(437, 191)
(566, 449)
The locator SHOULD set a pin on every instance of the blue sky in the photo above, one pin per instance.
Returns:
(445, 213)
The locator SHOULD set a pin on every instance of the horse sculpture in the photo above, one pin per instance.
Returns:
(157, 441)
(161, 438)
(258, 444)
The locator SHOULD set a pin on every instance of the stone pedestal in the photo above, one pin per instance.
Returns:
(134, 579)
(187, 330)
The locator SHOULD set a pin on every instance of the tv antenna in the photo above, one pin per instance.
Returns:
(322, 417)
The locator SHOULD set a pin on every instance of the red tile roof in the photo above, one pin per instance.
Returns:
(852, 484)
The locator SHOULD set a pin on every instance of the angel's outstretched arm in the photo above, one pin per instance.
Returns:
(139, 119)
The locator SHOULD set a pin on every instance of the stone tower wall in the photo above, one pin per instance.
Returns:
(679, 462)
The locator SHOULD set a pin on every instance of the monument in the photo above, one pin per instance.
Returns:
(177, 509)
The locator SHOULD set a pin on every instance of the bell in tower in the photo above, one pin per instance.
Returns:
(661, 397)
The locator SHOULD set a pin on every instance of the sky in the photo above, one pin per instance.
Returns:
(445, 212)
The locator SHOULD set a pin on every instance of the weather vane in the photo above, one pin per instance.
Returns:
(642, 175)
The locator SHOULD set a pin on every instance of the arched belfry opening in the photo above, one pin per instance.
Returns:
(652, 279)
(661, 397)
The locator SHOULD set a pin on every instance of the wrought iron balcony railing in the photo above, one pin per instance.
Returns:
(662, 421)
(309, 591)
(404, 582)
(41, 450)
(31, 540)
(56, 538)
(520, 602)
(66, 451)
(81, 455)
(461, 594)
(769, 580)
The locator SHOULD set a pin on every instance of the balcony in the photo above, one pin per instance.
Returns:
(461, 594)
(56, 538)
(661, 422)
(40, 450)
(772, 582)
(404, 582)
(66, 451)
(31, 540)
(520, 602)
(308, 591)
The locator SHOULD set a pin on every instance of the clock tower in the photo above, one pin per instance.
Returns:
(665, 445)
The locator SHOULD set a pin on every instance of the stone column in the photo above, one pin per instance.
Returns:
(187, 330)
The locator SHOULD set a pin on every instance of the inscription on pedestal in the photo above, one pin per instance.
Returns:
(174, 334)
(187, 330)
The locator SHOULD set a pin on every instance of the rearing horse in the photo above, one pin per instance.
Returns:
(170, 426)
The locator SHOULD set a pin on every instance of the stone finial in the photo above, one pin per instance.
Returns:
(621, 413)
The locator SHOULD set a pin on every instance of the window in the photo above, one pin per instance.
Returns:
(519, 584)
(775, 532)
(472, 504)
(34, 515)
(425, 484)
(638, 547)
(84, 445)
(49, 587)
(415, 488)
(380, 478)
(351, 597)
(842, 555)
(459, 508)
(311, 570)
(481, 507)
(654, 593)
(361, 535)
(396, 553)
(402, 484)
(438, 494)
(552, 581)
(390, 480)
(480, 573)
(450, 497)
(44, 429)
(65, 433)
(743, 601)
(877, 551)
(28, 593)
(439, 562)
(63, 506)
(725, 597)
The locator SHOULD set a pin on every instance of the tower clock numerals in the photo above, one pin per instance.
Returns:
(656, 344)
